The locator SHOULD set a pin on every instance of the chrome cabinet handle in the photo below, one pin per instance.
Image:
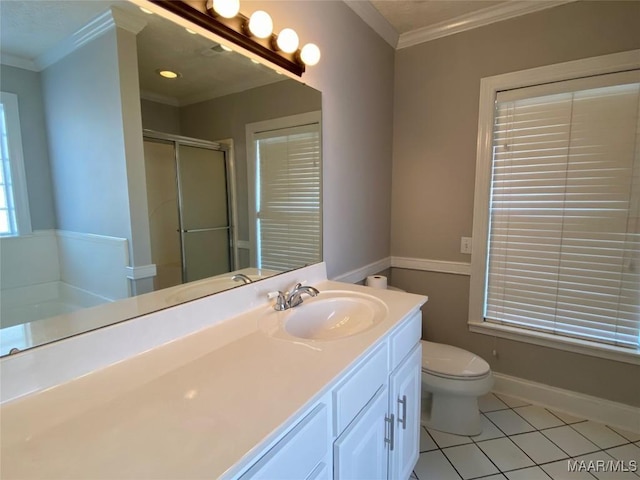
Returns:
(403, 421)
(390, 420)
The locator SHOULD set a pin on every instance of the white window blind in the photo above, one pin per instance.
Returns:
(288, 198)
(564, 235)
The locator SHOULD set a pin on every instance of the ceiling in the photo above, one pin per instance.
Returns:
(32, 32)
(403, 23)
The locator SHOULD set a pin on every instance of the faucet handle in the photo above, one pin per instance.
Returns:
(281, 300)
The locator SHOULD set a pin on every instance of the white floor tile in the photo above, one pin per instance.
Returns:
(490, 403)
(560, 471)
(627, 453)
(530, 473)
(499, 476)
(509, 422)
(512, 401)
(538, 447)
(469, 461)
(599, 434)
(426, 442)
(433, 465)
(570, 441)
(538, 417)
(489, 430)
(505, 454)
(445, 440)
(566, 417)
(631, 436)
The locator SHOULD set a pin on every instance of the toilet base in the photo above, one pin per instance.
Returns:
(451, 413)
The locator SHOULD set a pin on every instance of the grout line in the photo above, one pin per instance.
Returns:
(538, 430)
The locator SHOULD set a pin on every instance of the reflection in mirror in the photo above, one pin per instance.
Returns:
(125, 192)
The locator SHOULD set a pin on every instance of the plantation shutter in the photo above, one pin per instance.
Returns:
(564, 237)
(288, 197)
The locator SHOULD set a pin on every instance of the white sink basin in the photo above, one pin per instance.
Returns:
(333, 315)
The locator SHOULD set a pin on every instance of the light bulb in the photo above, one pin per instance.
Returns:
(260, 24)
(226, 8)
(310, 54)
(287, 40)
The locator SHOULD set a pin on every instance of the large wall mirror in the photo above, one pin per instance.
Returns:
(124, 191)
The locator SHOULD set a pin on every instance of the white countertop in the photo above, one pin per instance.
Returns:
(192, 408)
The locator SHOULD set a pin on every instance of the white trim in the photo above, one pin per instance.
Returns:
(479, 18)
(489, 87)
(244, 244)
(429, 265)
(159, 98)
(486, 16)
(566, 344)
(19, 189)
(620, 415)
(142, 271)
(18, 62)
(95, 28)
(251, 129)
(372, 17)
(359, 274)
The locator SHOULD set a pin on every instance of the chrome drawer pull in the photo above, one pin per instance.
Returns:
(403, 420)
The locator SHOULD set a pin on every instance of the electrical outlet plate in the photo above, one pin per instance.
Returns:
(465, 245)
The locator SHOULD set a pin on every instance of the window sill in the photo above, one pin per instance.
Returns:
(567, 344)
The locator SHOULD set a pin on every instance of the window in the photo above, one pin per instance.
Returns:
(560, 237)
(14, 204)
(286, 171)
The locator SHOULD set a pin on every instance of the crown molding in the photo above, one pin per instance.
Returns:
(480, 18)
(372, 17)
(98, 26)
(18, 62)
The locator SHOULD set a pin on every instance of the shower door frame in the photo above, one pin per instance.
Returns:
(231, 189)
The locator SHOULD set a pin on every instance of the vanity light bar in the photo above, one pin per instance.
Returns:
(253, 34)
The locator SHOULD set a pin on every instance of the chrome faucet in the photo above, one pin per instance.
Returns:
(241, 277)
(287, 300)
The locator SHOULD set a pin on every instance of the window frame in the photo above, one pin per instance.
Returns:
(16, 164)
(489, 88)
(251, 131)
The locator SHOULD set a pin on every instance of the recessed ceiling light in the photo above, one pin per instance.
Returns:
(146, 10)
(168, 73)
(190, 31)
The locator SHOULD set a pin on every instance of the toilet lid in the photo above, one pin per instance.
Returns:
(452, 361)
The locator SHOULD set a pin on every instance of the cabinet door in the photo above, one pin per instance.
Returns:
(298, 454)
(361, 451)
(405, 385)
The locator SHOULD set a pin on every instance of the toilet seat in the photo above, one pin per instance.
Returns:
(447, 361)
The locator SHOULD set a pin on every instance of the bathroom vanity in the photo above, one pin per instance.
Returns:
(225, 387)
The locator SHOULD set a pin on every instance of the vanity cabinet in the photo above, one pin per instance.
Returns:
(367, 425)
(404, 399)
(300, 454)
(382, 441)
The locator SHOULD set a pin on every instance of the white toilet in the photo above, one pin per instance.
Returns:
(452, 381)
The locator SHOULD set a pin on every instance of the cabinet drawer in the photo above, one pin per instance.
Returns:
(356, 390)
(298, 454)
(405, 338)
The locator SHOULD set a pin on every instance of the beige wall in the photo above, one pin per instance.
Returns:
(355, 76)
(435, 130)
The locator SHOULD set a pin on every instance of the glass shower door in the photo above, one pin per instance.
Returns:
(205, 229)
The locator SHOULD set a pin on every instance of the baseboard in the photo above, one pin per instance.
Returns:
(600, 410)
(358, 275)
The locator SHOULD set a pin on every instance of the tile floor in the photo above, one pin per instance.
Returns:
(522, 441)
